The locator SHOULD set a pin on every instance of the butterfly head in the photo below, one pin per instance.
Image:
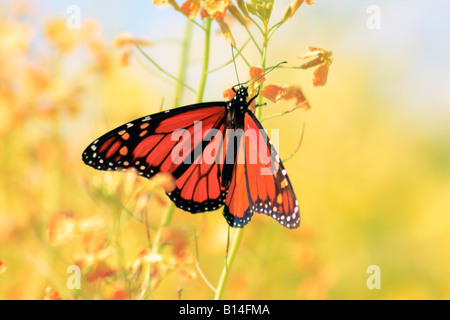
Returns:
(241, 95)
(239, 103)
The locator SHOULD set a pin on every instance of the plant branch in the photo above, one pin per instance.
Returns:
(162, 70)
(229, 262)
(253, 39)
(238, 53)
(204, 75)
(197, 263)
(298, 145)
(183, 63)
(276, 115)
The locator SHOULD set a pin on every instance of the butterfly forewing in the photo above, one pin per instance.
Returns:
(270, 189)
(147, 144)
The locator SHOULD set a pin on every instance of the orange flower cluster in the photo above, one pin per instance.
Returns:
(321, 59)
(94, 250)
(51, 294)
(217, 9)
(151, 267)
(3, 267)
(290, 11)
(28, 83)
(126, 42)
(213, 9)
(273, 92)
(88, 233)
(68, 40)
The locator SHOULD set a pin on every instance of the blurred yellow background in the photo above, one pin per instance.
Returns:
(372, 173)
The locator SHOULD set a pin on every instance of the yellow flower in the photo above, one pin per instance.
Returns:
(273, 92)
(118, 290)
(216, 8)
(321, 75)
(294, 7)
(212, 9)
(188, 274)
(92, 223)
(127, 42)
(65, 39)
(51, 294)
(14, 37)
(149, 256)
(164, 3)
(60, 229)
(190, 8)
(295, 92)
(321, 59)
(99, 271)
(3, 267)
(208, 8)
(261, 8)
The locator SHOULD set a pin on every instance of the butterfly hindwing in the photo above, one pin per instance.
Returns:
(237, 210)
(199, 187)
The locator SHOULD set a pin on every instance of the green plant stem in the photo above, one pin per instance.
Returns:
(274, 28)
(197, 263)
(238, 53)
(183, 63)
(298, 145)
(204, 75)
(165, 221)
(257, 25)
(284, 112)
(239, 233)
(161, 69)
(253, 39)
(228, 263)
(128, 212)
(263, 62)
(117, 210)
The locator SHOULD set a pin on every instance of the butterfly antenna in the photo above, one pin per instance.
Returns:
(270, 69)
(234, 62)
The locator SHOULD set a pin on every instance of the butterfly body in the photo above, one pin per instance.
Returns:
(215, 153)
(237, 107)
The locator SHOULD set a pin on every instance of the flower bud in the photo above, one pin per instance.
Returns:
(287, 14)
(295, 5)
(242, 7)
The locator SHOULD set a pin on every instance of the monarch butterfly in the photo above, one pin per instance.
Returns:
(238, 177)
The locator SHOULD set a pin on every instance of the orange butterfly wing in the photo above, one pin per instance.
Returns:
(147, 144)
(260, 182)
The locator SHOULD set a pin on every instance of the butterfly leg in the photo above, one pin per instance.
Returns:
(260, 105)
(254, 97)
